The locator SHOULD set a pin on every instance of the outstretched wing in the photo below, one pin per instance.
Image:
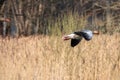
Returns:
(86, 34)
(74, 42)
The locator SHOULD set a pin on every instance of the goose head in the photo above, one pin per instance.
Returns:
(71, 36)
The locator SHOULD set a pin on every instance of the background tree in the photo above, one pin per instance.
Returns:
(44, 16)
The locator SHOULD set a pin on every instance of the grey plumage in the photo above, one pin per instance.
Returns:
(77, 36)
(87, 34)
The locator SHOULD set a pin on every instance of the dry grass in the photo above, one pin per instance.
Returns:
(49, 58)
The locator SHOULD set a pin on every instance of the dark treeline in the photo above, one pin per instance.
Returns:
(39, 16)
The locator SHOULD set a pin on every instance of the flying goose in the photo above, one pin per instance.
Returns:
(77, 36)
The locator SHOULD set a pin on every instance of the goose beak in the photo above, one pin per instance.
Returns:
(65, 38)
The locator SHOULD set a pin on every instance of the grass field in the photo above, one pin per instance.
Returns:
(51, 58)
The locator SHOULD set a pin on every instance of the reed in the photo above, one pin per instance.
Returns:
(49, 58)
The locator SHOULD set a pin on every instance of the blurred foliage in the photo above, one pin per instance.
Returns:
(61, 16)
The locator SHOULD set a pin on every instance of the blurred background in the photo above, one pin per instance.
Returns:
(56, 17)
(39, 53)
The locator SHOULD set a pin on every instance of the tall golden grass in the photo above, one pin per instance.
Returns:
(50, 58)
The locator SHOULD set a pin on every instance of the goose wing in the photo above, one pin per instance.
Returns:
(86, 34)
(74, 42)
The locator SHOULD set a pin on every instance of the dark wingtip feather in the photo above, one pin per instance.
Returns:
(74, 42)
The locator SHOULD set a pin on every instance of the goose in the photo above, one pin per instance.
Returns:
(77, 36)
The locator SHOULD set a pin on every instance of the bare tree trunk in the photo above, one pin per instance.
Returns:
(20, 18)
(5, 16)
(108, 15)
(14, 23)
